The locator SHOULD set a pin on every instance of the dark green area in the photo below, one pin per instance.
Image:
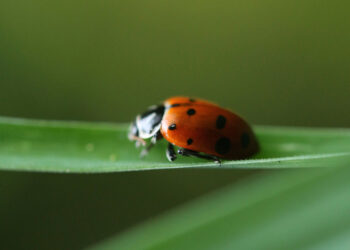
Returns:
(274, 62)
(51, 211)
(282, 210)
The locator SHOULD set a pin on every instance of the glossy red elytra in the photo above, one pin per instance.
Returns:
(197, 127)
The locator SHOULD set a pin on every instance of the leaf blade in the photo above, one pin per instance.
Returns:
(52, 146)
(285, 210)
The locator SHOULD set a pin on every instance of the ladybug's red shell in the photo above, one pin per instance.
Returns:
(181, 100)
(202, 126)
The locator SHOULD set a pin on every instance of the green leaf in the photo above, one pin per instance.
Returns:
(53, 146)
(292, 209)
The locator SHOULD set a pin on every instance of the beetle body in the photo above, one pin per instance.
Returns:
(198, 127)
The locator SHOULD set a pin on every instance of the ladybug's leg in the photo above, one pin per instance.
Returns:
(187, 152)
(154, 140)
(170, 152)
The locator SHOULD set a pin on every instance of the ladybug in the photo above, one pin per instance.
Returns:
(197, 127)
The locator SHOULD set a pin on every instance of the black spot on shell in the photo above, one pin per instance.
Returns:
(172, 126)
(175, 105)
(245, 140)
(191, 112)
(220, 122)
(189, 141)
(223, 145)
(192, 100)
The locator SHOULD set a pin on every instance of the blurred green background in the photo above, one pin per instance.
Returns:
(274, 62)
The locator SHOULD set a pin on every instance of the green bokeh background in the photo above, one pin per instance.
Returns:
(274, 62)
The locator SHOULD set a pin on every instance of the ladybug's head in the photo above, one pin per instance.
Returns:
(147, 124)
